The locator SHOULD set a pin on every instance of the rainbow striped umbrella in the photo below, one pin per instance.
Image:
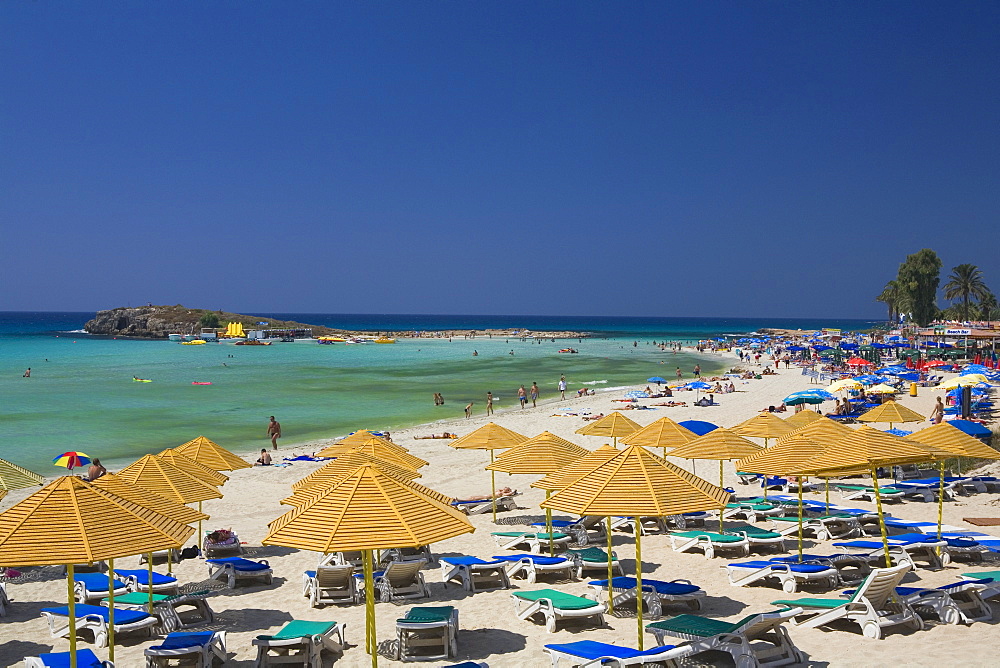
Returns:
(71, 460)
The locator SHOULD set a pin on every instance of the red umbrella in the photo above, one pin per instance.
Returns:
(978, 359)
(909, 362)
(857, 361)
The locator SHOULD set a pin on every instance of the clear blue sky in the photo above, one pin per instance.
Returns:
(658, 158)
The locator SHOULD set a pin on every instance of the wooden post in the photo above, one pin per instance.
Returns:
(881, 517)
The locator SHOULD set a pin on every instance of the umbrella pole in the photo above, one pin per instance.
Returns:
(200, 537)
(881, 517)
(611, 574)
(370, 640)
(638, 578)
(72, 615)
(826, 482)
(111, 609)
(149, 562)
(720, 475)
(800, 521)
(548, 524)
(170, 564)
(493, 489)
(940, 499)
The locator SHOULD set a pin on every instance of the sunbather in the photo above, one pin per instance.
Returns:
(503, 491)
(441, 435)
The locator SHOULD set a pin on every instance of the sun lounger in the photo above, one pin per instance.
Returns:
(585, 530)
(138, 580)
(868, 493)
(851, 568)
(920, 491)
(4, 601)
(990, 581)
(485, 506)
(906, 548)
(330, 584)
(399, 580)
(227, 545)
(789, 574)
(300, 643)
(822, 527)
(166, 608)
(787, 486)
(475, 574)
(94, 586)
(203, 647)
(427, 627)
(752, 511)
(708, 542)
(873, 606)
(162, 555)
(352, 557)
(955, 603)
(654, 593)
(594, 559)
(408, 554)
(234, 569)
(530, 566)
(555, 606)
(687, 520)
(95, 618)
(758, 537)
(755, 640)
(592, 654)
(512, 540)
(85, 658)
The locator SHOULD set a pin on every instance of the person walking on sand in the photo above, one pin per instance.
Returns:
(489, 403)
(274, 431)
(522, 396)
(937, 415)
(534, 395)
(562, 388)
(468, 410)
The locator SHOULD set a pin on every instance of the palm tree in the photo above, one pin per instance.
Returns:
(987, 308)
(966, 283)
(893, 298)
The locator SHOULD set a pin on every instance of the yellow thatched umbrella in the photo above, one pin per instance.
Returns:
(359, 437)
(304, 497)
(567, 476)
(613, 425)
(194, 467)
(70, 521)
(543, 454)
(376, 447)
(955, 441)
(637, 483)
(367, 511)
(141, 496)
(490, 436)
(212, 455)
(891, 412)
(663, 433)
(341, 466)
(13, 476)
(870, 447)
(765, 426)
(720, 444)
(802, 418)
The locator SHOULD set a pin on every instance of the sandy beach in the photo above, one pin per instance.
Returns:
(490, 632)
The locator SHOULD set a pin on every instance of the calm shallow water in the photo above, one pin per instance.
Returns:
(83, 397)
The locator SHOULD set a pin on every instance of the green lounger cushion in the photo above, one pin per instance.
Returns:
(558, 598)
(714, 537)
(694, 625)
(520, 534)
(300, 629)
(428, 614)
(760, 507)
(826, 603)
(138, 598)
(984, 575)
(591, 554)
(753, 531)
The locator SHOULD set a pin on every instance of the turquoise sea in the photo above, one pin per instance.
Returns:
(81, 395)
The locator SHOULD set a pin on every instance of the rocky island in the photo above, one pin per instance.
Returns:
(158, 322)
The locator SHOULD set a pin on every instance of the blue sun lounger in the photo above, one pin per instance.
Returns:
(85, 658)
(589, 653)
(654, 593)
(233, 569)
(138, 580)
(95, 618)
(89, 587)
(789, 574)
(475, 574)
(530, 566)
(908, 548)
(204, 647)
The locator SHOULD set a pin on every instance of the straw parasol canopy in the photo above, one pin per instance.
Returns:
(614, 425)
(721, 444)
(866, 446)
(163, 478)
(303, 497)
(193, 467)
(663, 433)
(786, 457)
(892, 412)
(802, 418)
(376, 447)
(341, 466)
(954, 440)
(70, 521)
(763, 425)
(143, 497)
(211, 454)
(13, 476)
(578, 469)
(843, 384)
(824, 429)
(490, 436)
(543, 454)
(356, 440)
(637, 483)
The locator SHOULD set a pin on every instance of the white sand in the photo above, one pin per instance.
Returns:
(490, 632)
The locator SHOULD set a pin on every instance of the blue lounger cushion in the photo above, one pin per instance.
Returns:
(659, 586)
(590, 649)
(534, 558)
(793, 567)
(85, 658)
(142, 576)
(240, 564)
(122, 616)
(184, 640)
(470, 561)
(97, 582)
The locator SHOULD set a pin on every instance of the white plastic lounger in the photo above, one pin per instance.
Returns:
(427, 627)
(584, 530)
(85, 658)
(592, 654)
(138, 580)
(530, 566)
(758, 537)
(873, 606)
(535, 542)
(234, 569)
(555, 606)
(868, 493)
(301, 643)
(823, 527)
(330, 584)
(485, 506)
(89, 587)
(399, 580)
(708, 542)
(924, 550)
(408, 554)
(475, 574)
(594, 559)
(752, 511)
(204, 648)
(851, 568)
(955, 603)
(4, 601)
(655, 593)
(755, 640)
(94, 618)
(166, 608)
(789, 574)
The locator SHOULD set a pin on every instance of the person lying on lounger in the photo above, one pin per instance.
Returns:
(444, 434)
(503, 491)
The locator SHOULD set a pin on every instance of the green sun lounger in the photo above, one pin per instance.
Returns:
(594, 559)
(708, 542)
(299, 641)
(513, 540)
(555, 605)
(434, 627)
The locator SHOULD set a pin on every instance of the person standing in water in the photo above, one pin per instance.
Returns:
(468, 409)
(274, 432)
(489, 403)
(522, 396)
(562, 387)
(534, 395)
(27, 374)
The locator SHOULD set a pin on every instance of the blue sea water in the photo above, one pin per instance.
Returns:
(81, 396)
